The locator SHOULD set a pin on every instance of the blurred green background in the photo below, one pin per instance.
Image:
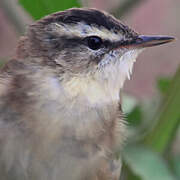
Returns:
(151, 99)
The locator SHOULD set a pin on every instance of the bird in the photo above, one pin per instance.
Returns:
(60, 104)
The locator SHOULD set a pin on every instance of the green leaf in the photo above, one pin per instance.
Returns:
(146, 164)
(176, 163)
(163, 84)
(135, 116)
(167, 118)
(40, 8)
(127, 173)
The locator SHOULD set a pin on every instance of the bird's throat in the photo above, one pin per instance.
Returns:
(91, 90)
(105, 84)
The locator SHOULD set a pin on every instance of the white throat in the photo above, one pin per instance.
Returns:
(105, 85)
(114, 70)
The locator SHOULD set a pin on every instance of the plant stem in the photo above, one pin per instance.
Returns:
(168, 119)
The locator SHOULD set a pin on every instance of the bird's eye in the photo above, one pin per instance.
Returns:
(94, 42)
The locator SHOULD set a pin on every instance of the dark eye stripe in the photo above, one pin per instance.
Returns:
(93, 42)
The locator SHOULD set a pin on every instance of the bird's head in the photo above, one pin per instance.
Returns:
(89, 42)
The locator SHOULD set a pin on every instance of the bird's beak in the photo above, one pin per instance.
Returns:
(148, 41)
